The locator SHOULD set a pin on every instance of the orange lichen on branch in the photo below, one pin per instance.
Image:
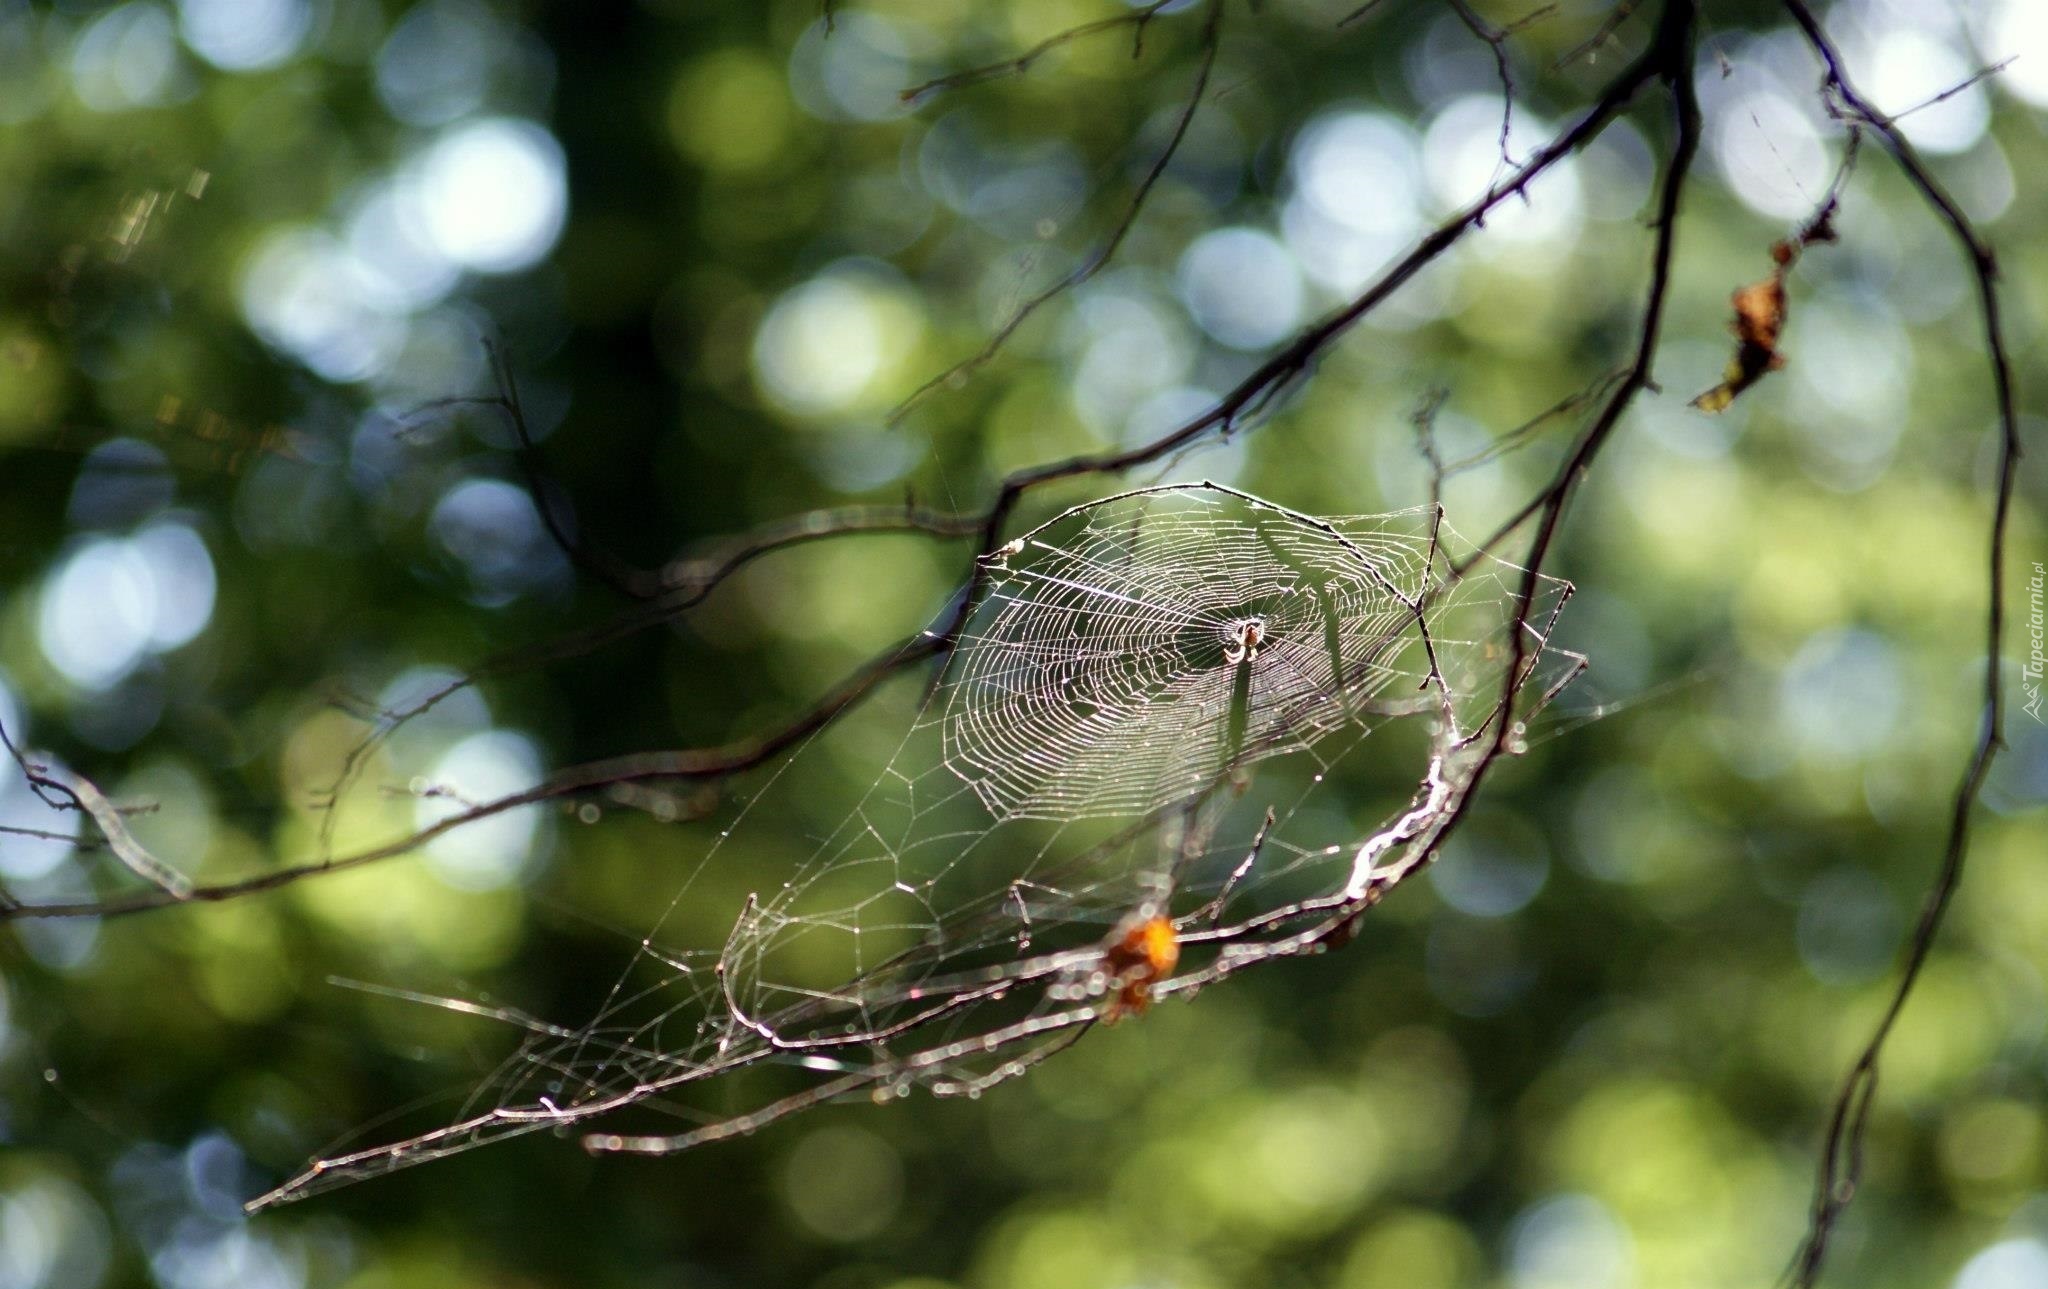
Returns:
(1142, 956)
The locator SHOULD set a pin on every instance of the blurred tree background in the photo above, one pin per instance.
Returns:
(253, 246)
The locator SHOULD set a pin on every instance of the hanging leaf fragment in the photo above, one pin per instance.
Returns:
(1760, 317)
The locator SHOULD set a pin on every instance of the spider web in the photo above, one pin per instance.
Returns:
(1081, 766)
(1109, 674)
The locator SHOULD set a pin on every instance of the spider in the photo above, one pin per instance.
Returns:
(1139, 955)
(1241, 640)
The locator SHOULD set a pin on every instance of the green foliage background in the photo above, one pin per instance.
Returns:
(1618, 1080)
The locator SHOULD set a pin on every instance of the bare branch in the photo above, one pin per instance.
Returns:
(670, 593)
(1023, 62)
(701, 764)
(1591, 46)
(1673, 50)
(601, 564)
(45, 834)
(1088, 268)
(1671, 56)
(698, 575)
(174, 884)
(68, 790)
(598, 563)
(1841, 1162)
(1510, 440)
(1496, 40)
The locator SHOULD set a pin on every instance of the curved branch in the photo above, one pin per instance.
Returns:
(63, 789)
(694, 764)
(1841, 1161)
(1669, 58)
(1496, 40)
(1674, 50)
(1088, 268)
(1022, 63)
(698, 575)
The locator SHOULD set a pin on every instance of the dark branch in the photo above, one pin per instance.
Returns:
(1673, 50)
(599, 563)
(1023, 62)
(1496, 40)
(1360, 13)
(1841, 1161)
(1088, 268)
(711, 764)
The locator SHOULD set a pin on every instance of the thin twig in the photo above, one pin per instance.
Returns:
(1360, 13)
(1023, 62)
(698, 574)
(67, 789)
(1221, 904)
(591, 559)
(1424, 420)
(1514, 438)
(1496, 40)
(1620, 14)
(1088, 268)
(44, 834)
(1982, 73)
(1841, 1160)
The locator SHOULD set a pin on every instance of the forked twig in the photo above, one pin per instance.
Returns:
(67, 789)
(1496, 40)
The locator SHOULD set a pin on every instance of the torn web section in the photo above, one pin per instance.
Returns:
(854, 906)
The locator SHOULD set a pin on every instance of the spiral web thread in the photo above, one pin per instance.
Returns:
(1105, 678)
(1082, 764)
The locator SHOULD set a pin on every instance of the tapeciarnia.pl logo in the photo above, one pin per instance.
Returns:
(2030, 675)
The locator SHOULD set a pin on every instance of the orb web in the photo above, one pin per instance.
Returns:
(1132, 650)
